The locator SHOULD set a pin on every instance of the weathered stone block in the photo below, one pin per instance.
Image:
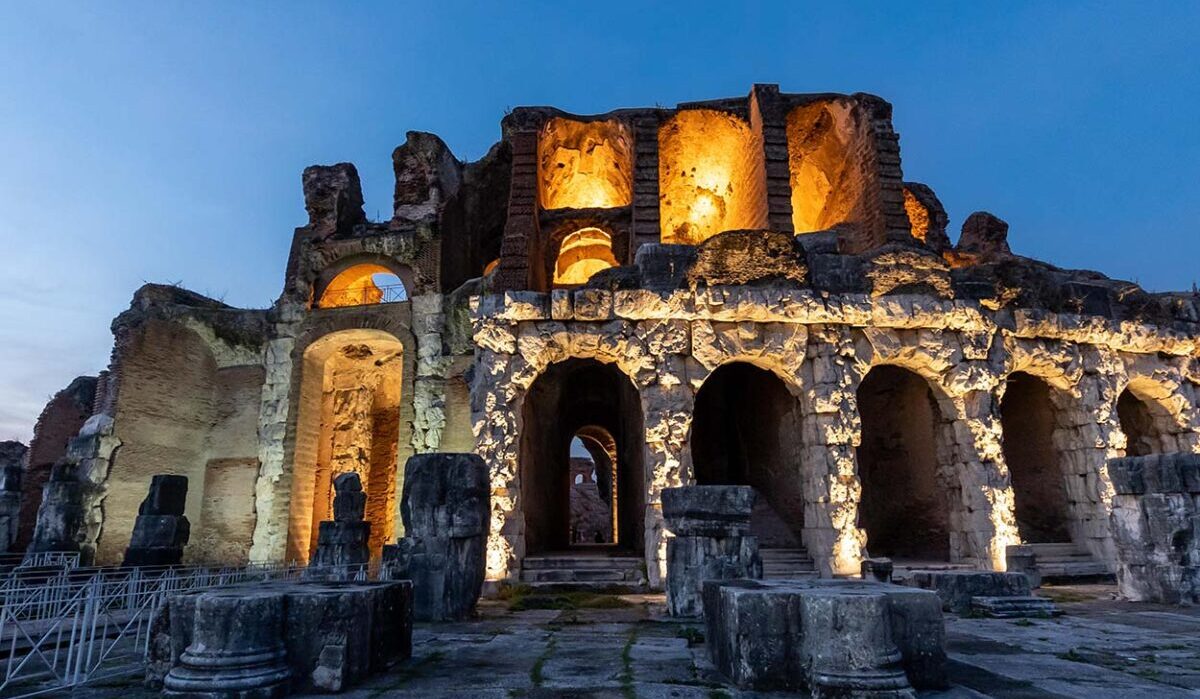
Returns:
(825, 636)
(708, 510)
(445, 508)
(691, 560)
(1155, 521)
(234, 649)
(956, 588)
(160, 531)
(320, 637)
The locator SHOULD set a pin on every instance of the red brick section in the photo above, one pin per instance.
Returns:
(885, 200)
(521, 228)
(645, 181)
(58, 424)
(768, 117)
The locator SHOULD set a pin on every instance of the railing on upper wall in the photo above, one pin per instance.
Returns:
(62, 626)
(363, 296)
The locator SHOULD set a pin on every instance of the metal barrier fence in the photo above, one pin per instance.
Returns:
(66, 626)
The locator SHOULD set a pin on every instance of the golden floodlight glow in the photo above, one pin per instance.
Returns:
(710, 176)
(584, 165)
(821, 166)
(918, 216)
(354, 287)
(582, 254)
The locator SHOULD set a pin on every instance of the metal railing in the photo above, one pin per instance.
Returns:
(363, 296)
(43, 559)
(64, 628)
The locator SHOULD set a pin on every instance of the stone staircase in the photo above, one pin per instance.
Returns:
(786, 563)
(584, 569)
(1067, 562)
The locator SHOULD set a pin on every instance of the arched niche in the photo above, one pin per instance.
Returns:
(711, 176)
(584, 164)
(348, 421)
(361, 285)
(581, 254)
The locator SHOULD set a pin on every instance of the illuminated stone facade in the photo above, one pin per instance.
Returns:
(592, 273)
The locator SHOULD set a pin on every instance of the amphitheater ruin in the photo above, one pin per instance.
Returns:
(737, 291)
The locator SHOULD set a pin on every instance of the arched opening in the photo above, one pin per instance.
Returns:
(594, 403)
(363, 285)
(585, 164)
(746, 431)
(1146, 424)
(582, 254)
(593, 487)
(906, 492)
(825, 173)
(349, 421)
(711, 176)
(1028, 419)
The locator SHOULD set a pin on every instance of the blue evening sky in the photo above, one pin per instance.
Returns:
(163, 141)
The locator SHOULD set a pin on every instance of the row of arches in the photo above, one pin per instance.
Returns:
(747, 430)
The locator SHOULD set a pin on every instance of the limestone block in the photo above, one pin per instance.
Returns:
(323, 637)
(825, 636)
(691, 560)
(446, 512)
(955, 588)
(708, 510)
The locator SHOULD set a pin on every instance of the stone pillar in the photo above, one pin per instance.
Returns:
(445, 509)
(1154, 516)
(342, 544)
(11, 454)
(160, 531)
(667, 411)
(848, 647)
(71, 513)
(831, 429)
(711, 524)
(237, 647)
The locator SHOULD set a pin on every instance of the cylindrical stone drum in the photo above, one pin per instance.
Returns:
(236, 651)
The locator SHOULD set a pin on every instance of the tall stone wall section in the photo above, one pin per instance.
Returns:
(821, 346)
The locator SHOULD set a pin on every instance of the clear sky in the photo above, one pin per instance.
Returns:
(164, 141)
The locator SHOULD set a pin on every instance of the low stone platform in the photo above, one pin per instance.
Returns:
(1014, 607)
(838, 637)
(271, 639)
(956, 588)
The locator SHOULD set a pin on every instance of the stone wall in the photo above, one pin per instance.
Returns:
(668, 343)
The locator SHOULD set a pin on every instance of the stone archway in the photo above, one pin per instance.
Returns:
(908, 485)
(746, 431)
(573, 398)
(1029, 419)
(348, 421)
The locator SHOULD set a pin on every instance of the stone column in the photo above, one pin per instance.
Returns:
(712, 541)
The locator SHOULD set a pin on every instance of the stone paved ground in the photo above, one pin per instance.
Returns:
(1098, 649)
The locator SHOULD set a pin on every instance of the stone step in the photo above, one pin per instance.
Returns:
(581, 563)
(1014, 607)
(1054, 550)
(1081, 569)
(577, 575)
(787, 564)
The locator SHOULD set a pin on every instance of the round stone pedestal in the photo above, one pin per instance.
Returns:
(848, 641)
(237, 649)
